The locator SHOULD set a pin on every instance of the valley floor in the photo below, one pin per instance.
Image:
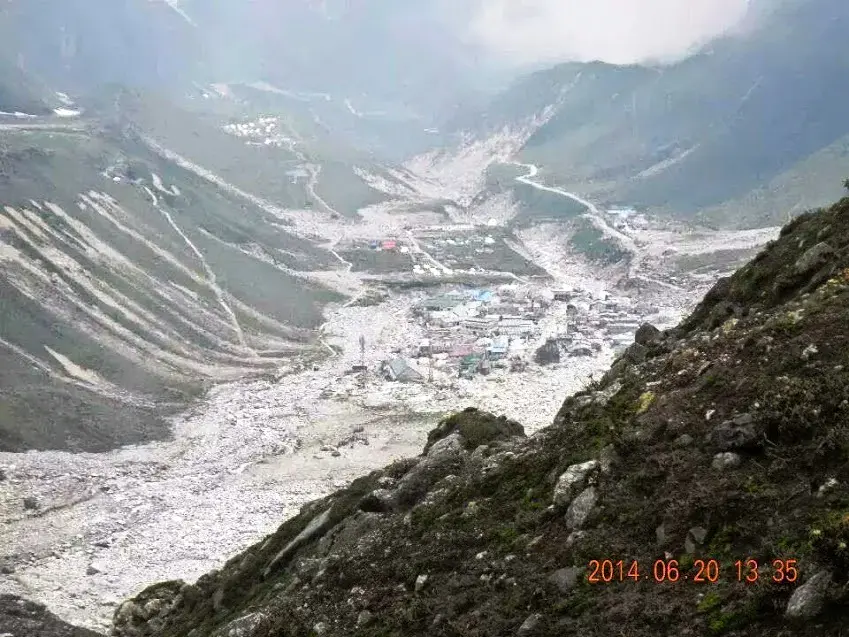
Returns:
(85, 531)
(246, 460)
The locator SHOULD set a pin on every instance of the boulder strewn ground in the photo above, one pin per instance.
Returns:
(724, 439)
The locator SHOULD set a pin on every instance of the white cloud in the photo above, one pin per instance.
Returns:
(617, 31)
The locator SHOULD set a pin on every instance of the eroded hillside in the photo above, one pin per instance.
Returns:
(724, 439)
(128, 284)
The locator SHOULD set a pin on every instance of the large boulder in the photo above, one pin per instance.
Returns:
(808, 600)
(813, 259)
(547, 353)
(475, 428)
(571, 482)
(647, 334)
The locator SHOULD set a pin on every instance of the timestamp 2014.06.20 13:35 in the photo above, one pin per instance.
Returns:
(702, 570)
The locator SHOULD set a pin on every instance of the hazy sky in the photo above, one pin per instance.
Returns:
(618, 31)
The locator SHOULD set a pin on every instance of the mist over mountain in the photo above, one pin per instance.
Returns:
(254, 256)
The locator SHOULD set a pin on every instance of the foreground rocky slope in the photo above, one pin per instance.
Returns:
(21, 617)
(726, 438)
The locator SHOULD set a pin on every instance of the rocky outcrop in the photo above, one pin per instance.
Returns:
(726, 438)
(21, 618)
(475, 428)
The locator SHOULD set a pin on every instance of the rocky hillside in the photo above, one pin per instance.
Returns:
(724, 439)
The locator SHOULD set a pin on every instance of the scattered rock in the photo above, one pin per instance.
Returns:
(530, 624)
(810, 350)
(807, 600)
(421, 581)
(660, 535)
(91, 570)
(242, 627)
(647, 334)
(316, 527)
(726, 460)
(684, 440)
(581, 508)
(471, 509)
(321, 628)
(566, 578)
(571, 481)
(695, 539)
(735, 434)
(364, 618)
(813, 259)
(825, 487)
(443, 458)
(608, 458)
(30, 504)
(22, 618)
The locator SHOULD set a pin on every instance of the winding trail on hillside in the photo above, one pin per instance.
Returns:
(211, 278)
(595, 217)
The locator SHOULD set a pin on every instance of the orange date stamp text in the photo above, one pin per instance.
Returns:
(703, 570)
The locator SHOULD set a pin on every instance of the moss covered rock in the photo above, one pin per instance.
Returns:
(475, 428)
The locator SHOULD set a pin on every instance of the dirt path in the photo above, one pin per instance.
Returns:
(594, 215)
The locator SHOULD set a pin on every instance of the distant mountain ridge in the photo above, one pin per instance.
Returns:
(701, 136)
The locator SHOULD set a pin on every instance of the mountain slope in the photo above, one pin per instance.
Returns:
(724, 439)
(703, 134)
(129, 284)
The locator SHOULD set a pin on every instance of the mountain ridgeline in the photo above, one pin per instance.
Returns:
(750, 129)
(725, 438)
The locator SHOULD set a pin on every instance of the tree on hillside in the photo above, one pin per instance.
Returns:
(846, 184)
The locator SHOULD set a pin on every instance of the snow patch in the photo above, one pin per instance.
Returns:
(66, 112)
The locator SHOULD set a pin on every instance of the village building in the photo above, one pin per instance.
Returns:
(498, 348)
(516, 326)
(483, 326)
(461, 350)
(444, 319)
(402, 371)
(428, 347)
(469, 366)
(440, 303)
(481, 296)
